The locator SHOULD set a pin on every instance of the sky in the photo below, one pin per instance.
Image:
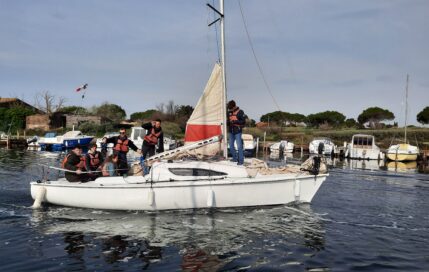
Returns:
(315, 56)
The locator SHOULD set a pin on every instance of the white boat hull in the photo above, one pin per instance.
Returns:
(402, 152)
(115, 193)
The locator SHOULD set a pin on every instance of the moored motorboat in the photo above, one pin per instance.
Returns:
(323, 146)
(363, 147)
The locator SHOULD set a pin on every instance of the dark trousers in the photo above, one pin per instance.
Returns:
(122, 163)
(148, 151)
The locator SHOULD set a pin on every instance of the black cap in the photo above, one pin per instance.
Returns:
(78, 146)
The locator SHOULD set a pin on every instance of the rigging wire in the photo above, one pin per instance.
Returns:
(256, 58)
(217, 36)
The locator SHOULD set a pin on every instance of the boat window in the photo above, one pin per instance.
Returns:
(355, 141)
(195, 172)
(370, 141)
(364, 141)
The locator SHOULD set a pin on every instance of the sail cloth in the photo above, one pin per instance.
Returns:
(206, 119)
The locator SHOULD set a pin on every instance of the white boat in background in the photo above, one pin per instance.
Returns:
(282, 146)
(175, 184)
(106, 135)
(323, 146)
(404, 151)
(249, 144)
(363, 147)
(70, 139)
(169, 143)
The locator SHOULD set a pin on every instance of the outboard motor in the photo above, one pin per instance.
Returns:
(32, 140)
(320, 148)
(316, 165)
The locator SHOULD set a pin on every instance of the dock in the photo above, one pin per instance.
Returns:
(13, 141)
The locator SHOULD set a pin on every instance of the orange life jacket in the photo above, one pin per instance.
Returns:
(80, 165)
(233, 117)
(94, 159)
(152, 138)
(121, 145)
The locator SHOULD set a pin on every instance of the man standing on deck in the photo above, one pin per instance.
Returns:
(236, 121)
(121, 145)
(154, 137)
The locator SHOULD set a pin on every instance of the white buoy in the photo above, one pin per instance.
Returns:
(210, 198)
(151, 197)
(40, 196)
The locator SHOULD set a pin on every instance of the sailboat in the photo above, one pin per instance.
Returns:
(403, 151)
(189, 184)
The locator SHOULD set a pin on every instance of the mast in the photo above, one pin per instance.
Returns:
(406, 109)
(224, 96)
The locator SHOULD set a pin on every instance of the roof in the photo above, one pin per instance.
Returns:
(8, 100)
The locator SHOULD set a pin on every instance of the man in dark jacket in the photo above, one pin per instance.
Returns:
(75, 163)
(93, 161)
(121, 145)
(154, 137)
(236, 122)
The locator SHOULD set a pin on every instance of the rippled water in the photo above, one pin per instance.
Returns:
(365, 219)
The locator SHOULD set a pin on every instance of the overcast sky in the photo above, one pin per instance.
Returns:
(336, 55)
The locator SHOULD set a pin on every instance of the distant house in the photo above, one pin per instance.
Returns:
(14, 102)
(261, 124)
(61, 120)
(37, 121)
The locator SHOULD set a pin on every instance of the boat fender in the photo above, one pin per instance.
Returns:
(151, 197)
(297, 189)
(210, 198)
(40, 196)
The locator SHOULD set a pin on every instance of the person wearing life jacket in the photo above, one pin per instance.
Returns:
(93, 161)
(75, 163)
(236, 121)
(154, 138)
(121, 146)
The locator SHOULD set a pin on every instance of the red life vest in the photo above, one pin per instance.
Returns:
(233, 117)
(121, 145)
(80, 165)
(152, 138)
(94, 159)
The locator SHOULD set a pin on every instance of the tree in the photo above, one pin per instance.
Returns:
(332, 118)
(374, 116)
(142, 115)
(110, 111)
(73, 110)
(351, 123)
(423, 116)
(48, 102)
(184, 111)
(14, 118)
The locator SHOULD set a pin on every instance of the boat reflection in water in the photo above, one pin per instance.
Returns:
(204, 238)
(405, 166)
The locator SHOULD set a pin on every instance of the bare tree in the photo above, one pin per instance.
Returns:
(48, 102)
